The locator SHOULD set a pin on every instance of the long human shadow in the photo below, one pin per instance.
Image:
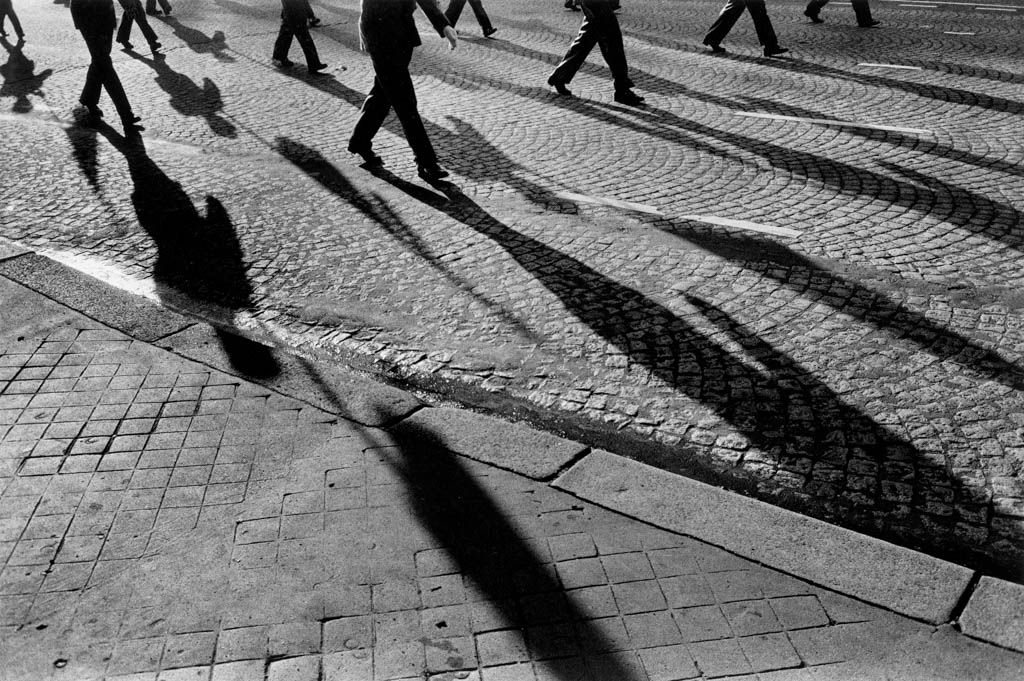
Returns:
(959, 205)
(780, 408)
(373, 206)
(188, 98)
(19, 77)
(491, 552)
(652, 83)
(199, 258)
(866, 305)
(654, 337)
(199, 42)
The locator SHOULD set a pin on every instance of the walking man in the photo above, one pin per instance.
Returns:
(95, 20)
(600, 27)
(295, 24)
(388, 32)
(7, 12)
(762, 24)
(861, 10)
(133, 13)
(455, 9)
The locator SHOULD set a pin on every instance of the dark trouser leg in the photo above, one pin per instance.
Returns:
(283, 42)
(814, 7)
(15, 24)
(454, 11)
(124, 30)
(371, 116)
(863, 12)
(581, 46)
(609, 39)
(102, 73)
(725, 21)
(392, 71)
(762, 24)
(480, 14)
(147, 30)
(305, 41)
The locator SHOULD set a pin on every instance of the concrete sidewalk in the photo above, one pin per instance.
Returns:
(163, 518)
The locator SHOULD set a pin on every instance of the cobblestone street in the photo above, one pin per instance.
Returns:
(798, 277)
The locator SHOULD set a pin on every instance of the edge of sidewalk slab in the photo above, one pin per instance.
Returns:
(877, 572)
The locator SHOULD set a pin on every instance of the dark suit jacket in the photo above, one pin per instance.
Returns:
(94, 16)
(388, 24)
(295, 12)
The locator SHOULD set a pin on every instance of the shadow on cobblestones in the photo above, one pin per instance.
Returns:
(20, 80)
(947, 95)
(188, 98)
(198, 41)
(531, 607)
(313, 163)
(198, 257)
(854, 299)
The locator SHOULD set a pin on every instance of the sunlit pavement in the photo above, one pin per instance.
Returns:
(798, 277)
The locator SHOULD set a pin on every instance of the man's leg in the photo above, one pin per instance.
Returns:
(481, 16)
(283, 43)
(305, 41)
(724, 23)
(813, 9)
(762, 24)
(609, 39)
(124, 30)
(454, 11)
(371, 116)
(863, 12)
(393, 75)
(581, 46)
(101, 71)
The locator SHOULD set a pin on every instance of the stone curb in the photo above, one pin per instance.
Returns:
(905, 581)
(871, 570)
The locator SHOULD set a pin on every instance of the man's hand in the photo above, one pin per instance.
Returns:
(452, 36)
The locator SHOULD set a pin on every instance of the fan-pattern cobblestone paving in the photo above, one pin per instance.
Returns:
(864, 366)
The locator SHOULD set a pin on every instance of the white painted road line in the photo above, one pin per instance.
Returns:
(890, 66)
(1011, 8)
(994, 9)
(605, 201)
(841, 124)
(742, 224)
(960, 33)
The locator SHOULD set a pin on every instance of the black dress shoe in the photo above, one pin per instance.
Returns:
(628, 97)
(715, 47)
(127, 45)
(559, 86)
(317, 68)
(813, 16)
(314, 21)
(870, 24)
(370, 159)
(154, 46)
(488, 32)
(431, 173)
(775, 51)
(93, 110)
(284, 63)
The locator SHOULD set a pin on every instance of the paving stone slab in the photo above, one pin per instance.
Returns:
(902, 580)
(134, 315)
(511, 446)
(11, 249)
(995, 613)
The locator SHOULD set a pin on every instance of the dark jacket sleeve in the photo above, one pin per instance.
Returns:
(434, 14)
(94, 16)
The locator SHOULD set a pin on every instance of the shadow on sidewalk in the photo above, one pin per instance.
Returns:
(557, 633)
(197, 41)
(199, 259)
